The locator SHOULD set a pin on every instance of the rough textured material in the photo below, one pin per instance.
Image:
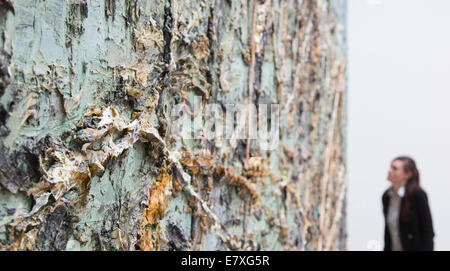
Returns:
(86, 158)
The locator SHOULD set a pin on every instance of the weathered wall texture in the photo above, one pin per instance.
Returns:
(86, 161)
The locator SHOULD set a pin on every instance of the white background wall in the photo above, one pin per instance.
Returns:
(399, 103)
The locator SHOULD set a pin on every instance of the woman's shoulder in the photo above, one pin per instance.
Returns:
(418, 191)
(419, 194)
(386, 194)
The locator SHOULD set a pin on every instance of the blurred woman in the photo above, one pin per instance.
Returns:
(408, 223)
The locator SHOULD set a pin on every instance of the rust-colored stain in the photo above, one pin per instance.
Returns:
(154, 212)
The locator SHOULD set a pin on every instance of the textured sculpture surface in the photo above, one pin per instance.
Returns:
(87, 159)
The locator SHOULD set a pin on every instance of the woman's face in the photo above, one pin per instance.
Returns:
(397, 175)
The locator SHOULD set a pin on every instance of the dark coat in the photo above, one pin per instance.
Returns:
(417, 234)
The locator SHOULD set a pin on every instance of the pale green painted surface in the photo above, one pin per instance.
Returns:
(68, 55)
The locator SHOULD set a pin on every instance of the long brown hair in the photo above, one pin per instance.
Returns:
(409, 166)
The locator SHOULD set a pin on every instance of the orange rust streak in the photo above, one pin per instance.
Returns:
(251, 77)
(154, 212)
